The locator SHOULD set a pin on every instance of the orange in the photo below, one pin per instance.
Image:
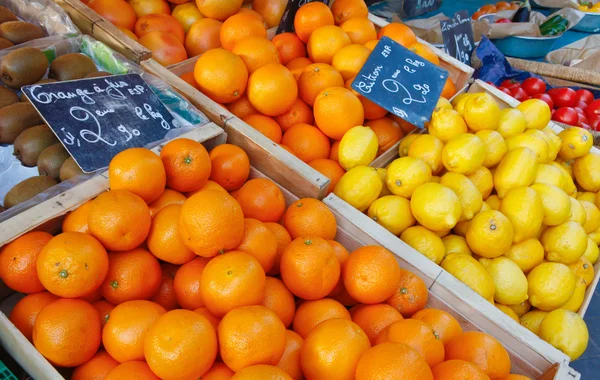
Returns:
(388, 132)
(210, 185)
(230, 166)
(307, 143)
(400, 33)
(181, 344)
(148, 7)
(256, 51)
(165, 295)
(189, 79)
(166, 48)
(416, 334)
(458, 370)
(297, 65)
(261, 199)
(186, 284)
(488, 8)
(289, 46)
(316, 78)
(204, 35)
(230, 281)
(360, 30)
(371, 44)
(271, 10)
(393, 361)
(218, 371)
(239, 26)
(371, 274)
(336, 111)
(187, 164)
(67, 332)
(449, 89)
(242, 107)
(103, 307)
(309, 267)
(410, 295)
(259, 242)
(373, 319)
(332, 350)
(18, 261)
(482, 350)
(372, 111)
(128, 33)
(96, 368)
(139, 171)
(324, 42)
(132, 275)
(290, 361)
(164, 240)
(186, 15)
(134, 370)
(265, 89)
(341, 254)
(251, 335)
(219, 9)
(477, 14)
(299, 113)
(310, 217)
(344, 10)
(92, 297)
(72, 264)
(208, 315)
(125, 331)
(279, 299)
(444, 325)
(311, 313)
(405, 125)
(118, 12)
(330, 169)
(310, 17)
(350, 59)
(221, 75)
(425, 52)
(261, 372)
(77, 220)
(287, 149)
(516, 377)
(25, 312)
(265, 125)
(335, 147)
(159, 23)
(283, 240)
(168, 197)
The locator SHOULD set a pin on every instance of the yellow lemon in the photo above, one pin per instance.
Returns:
(576, 142)
(527, 254)
(532, 320)
(536, 144)
(424, 241)
(490, 234)
(523, 207)
(463, 154)
(494, 202)
(483, 181)
(555, 144)
(495, 147)
(556, 204)
(511, 122)
(468, 270)
(586, 170)
(456, 244)
(435, 179)
(511, 283)
(591, 252)
(551, 285)
(358, 147)
(537, 113)
(405, 174)
(429, 149)
(550, 175)
(597, 201)
(595, 236)
(446, 124)
(461, 228)
(568, 184)
(392, 213)
(586, 196)
(566, 331)
(516, 169)
(359, 186)
(382, 176)
(567, 165)
(443, 103)
(443, 233)
(574, 304)
(470, 197)
(583, 269)
(552, 147)
(564, 243)
(521, 308)
(459, 102)
(592, 216)
(508, 311)
(481, 112)
(435, 206)
(405, 144)
(485, 207)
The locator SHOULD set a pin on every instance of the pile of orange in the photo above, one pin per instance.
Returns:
(186, 269)
(493, 8)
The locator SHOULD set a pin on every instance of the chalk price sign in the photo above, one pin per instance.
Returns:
(97, 118)
(401, 82)
(414, 8)
(458, 36)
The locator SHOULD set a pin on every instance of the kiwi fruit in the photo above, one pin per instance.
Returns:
(7, 97)
(23, 67)
(7, 15)
(27, 189)
(16, 118)
(51, 159)
(71, 66)
(98, 74)
(4, 43)
(69, 169)
(31, 142)
(18, 32)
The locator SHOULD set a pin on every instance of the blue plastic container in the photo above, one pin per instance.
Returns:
(525, 47)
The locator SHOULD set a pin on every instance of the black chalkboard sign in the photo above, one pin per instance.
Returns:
(458, 36)
(97, 118)
(413, 8)
(401, 82)
(286, 24)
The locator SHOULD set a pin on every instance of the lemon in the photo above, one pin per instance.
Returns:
(597, 200)
(566, 331)
(494, 202)
(443, 234)
(429, 149)
(445, 124)
(508, 311)
(568, 184)
(550, 175)
(586, 170)
(564, 243)
(495, 147)
(424, 241)
(555, 144)
(537, 113)
(405, 174)
(532, 320)
(456, 244)
(392, 213)
(405, 144)
(521, 308)
(511, 283)
(551, 285)
(553, 148)
(382, 176)
(576, 142)
(481, 112)
(435, 206)
(523, 207)
(483, 181)
(527, 254)
(490, 234)
(359, 186)
(485, 207)
(459, 102)
(556, 204)
(468, 270)
(443, 103)
(574, 304)
(591, 252)
(586, 196)
(536, 144)
(511, 122)
(461, 228)
(516, 169)
(435, 178)
(583, 269)
(592, 216)
(358, 147)
(595, 236)
(470, 197)
(463, 154)
(567, 165)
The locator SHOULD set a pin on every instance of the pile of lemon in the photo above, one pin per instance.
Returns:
(499, 200)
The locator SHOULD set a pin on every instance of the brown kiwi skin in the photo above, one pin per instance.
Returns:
(4, 43)
(19, 32)
(98, 74)
(16, 118)
(69, 169)
(51, 159)
(71, 66)
(7, 15)
(7, 97)
(31, 142)
(23, 66)
(27, 189)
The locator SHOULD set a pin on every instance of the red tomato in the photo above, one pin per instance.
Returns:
(584, 126)
(534, 86)
(594, 122)
(519, 94)
(584, 96)
(546, 98)
(583, 118)
(508, 82)
(566, 115)
(563, 97)
(593, 109)
(505, 90)
(581, 105)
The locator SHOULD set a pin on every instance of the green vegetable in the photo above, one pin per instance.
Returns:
(554, 25)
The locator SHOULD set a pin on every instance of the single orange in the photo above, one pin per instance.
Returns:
(259, 242)
(425, 52)
(297, 65)
(210, 185)
(159, 22)
(166, 48)
(242, 107)
(131, 370)
(337, 110)
(335, 147)
(372, 111)
(240, 26)
(344, 10)
(410, 295)
(118, 12)
(287, 149)
(213, 319)
(325, 42)
(187, 164)
(164, 240)
(129, 33)
(256, 51)
(516, 377)
(290, 361)
(360, 30)
(77, 220)
(165, 295)
(289, 46)
(167, 198)
(186, 284)
(189, 79)
(330, 169)
(148, 7)
(341, 254)
(261, 372)
(139, 171)
(488, 8)
(299, 113)
(279, 299)
(350, 59)
(283, 240)
(310, 217)
(271, 10)
(96, 368)
(458, 370)
(186, 15)
(265, 125)
(307, 143)
(311, 313)
(230, 166)
(18, 262)
(221, 75)
(264, 89)
(371, 44)
(405, 125)
(444, 325)
(416, 334)
(482, 350)
(103, 307)
(388, 133)
(449, 89)
(396, 360)
(204, 35)
(25, 312)
(261, 199)
(398, 32)
(373, 319)
(310, 17)
(218, 371)
(219, 9)
(316, 78)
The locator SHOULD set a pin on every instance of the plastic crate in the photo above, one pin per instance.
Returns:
(5, 373)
